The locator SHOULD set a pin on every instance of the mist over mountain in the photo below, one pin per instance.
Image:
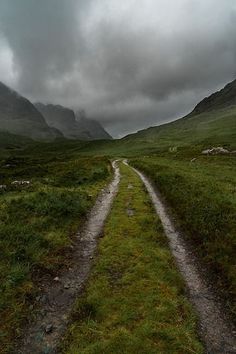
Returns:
(19, 116)
(72, 126)
(93, 128)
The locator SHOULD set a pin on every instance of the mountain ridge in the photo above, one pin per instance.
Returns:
(19, 116)
(71, 124)
(222, 101)
(211, 123)
(223, 98)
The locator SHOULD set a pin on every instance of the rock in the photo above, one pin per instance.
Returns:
(3, 187)
(173, 149)
(130, 212)
(49, 328)
(20, 183)
(64, 318)
(43, 312)
(43, 299)
(215, 151)
(193, 160)
(56, 279)
(67, 286)
(206, 152)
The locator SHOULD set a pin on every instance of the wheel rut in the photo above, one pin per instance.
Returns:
(216, 330)
(44, 332)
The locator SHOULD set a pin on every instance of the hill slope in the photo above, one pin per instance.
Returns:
(221, 99)
(93, 128)
(212, 122)
(19, 116)
(71, 126)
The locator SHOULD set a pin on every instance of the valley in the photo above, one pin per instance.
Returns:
(134, 296)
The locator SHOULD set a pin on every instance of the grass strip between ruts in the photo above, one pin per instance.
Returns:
(135, 301)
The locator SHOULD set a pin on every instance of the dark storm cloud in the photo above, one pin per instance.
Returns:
(130, 64)
(44, 37)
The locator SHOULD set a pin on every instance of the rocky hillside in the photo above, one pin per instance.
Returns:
(221, 99)
(19, 116)
(72, 126)
(61, 118)
(92, 128)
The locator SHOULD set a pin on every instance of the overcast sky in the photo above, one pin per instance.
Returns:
(130, 64)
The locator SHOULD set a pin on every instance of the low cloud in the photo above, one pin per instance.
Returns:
(130, 65)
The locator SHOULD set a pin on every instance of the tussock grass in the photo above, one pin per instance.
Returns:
(135, 300)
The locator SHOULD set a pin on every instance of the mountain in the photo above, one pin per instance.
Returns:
(211, 123)
(220, 99)
(61, 118)
(72, 126)
(19, 116)
(92, 128)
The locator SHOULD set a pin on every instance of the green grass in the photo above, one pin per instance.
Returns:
(38, 223)
(193, 132)
(202, 197)
(202, 130)
(135, 300)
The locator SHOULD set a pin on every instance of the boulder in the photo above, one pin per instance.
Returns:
(216, 151)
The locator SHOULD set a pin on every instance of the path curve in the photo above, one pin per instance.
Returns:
(44, 333)
(216, 331)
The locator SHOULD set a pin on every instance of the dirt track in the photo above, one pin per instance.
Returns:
(43, 334)
(216, 330)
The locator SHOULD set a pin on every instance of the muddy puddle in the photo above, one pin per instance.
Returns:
(216, 331)
(43, 334)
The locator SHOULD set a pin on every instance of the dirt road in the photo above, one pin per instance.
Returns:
(215, 328)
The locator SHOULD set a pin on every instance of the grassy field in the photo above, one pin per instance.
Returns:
(135, 301)
(202, 198)
(38, 222)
